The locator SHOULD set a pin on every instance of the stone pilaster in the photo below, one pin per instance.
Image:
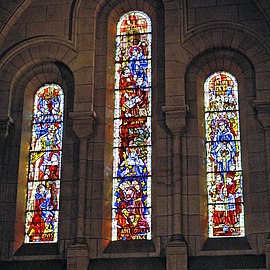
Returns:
(262, 108)
(77, 257)
(78, 252)
(176, 255)
(176, 250)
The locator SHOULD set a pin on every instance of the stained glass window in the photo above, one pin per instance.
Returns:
(44, 174)
(132, 129)
(223, 155)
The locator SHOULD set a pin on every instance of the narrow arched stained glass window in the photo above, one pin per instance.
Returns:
(223, 151)
(131, 211)
(43, 185)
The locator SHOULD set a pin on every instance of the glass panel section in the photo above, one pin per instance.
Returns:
(44, 174)
(223, 156)
(132, 151)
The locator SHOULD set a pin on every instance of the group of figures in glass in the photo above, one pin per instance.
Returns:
(132, 129)
(223, 150)
(45, 166)
(132, 152)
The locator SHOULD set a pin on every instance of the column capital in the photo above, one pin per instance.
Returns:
(176, 117)
(6, 124)
(262, 108)
(83, 123)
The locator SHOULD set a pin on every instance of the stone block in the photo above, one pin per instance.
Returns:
(57, 11)
(77, 257)
(48, 27)
(176, 256)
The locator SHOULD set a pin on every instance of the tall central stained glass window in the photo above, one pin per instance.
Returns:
(44, 173)
(131, 207)
(223, 153)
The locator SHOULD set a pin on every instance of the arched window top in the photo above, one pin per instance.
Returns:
(53, 95)
(133, 35)
(223, 156)
(44, 172)
(217, 86)
(134, 22)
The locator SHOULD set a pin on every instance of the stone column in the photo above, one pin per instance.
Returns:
(78, 253)
(262, 107)
(176, 251)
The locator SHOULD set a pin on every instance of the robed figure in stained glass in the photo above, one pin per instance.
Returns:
(41, 226)
(223, 150)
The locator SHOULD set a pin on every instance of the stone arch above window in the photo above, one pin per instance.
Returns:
(203, 66)
(107, 20)
(23, 89)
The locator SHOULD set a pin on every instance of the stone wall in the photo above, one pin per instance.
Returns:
(72, 43)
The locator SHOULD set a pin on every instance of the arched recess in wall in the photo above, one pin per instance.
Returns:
(24, 86)
(199, 70)
(24, 69)
(105, 60)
